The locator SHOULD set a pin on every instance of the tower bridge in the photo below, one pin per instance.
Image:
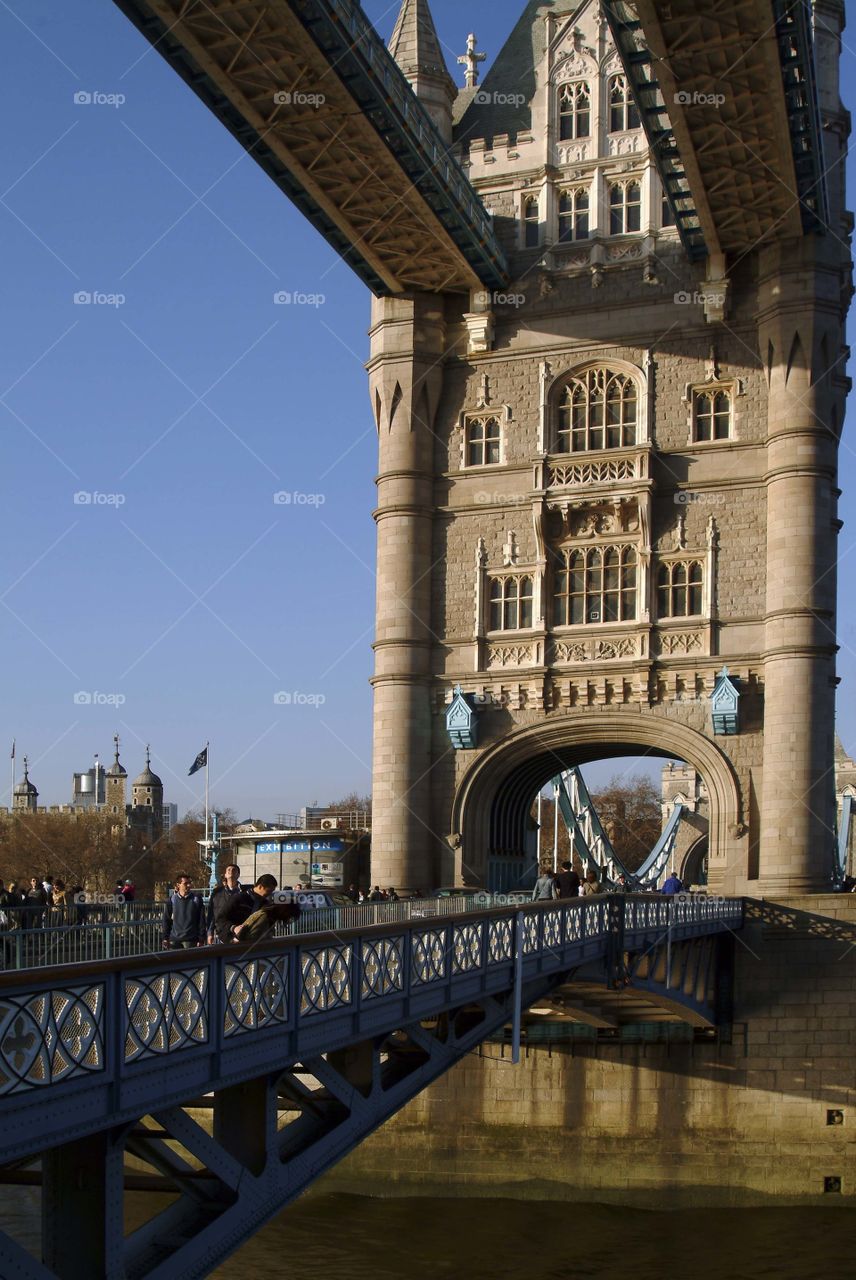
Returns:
(610, 284)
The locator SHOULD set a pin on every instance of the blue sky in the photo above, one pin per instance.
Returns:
(180, 402)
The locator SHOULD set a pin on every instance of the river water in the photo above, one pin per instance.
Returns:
(342, 1237)
(348, 1237)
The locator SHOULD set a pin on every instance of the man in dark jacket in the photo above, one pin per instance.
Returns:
(247, 903)
(183, 917)
(220, 904)
(34, 905)
(568, 882)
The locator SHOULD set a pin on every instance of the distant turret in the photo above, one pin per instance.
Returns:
(26, 797)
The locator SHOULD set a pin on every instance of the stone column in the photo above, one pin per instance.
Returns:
(406, 378)
(799, 341)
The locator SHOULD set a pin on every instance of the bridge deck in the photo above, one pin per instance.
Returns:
(86, 1046)
(308, 88)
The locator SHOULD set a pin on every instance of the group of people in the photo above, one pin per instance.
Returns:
(234, 912)
(567, 884)
(376, 894)
(39, 902)
(28, 904)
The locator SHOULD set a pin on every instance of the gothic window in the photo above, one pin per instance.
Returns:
(483, 442)
(598, 410)
(531, 223)
(679, 589)
(574, 111)
(595, 585)
(667, 213)
(623, 112)
(510, 603)
(574, 215)
(625, 208)
(712, 415)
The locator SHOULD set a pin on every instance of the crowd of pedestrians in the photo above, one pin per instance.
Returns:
(567, 884)
(36, 903)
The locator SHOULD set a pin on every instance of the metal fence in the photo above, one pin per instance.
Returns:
(37, 938)
(137, 930)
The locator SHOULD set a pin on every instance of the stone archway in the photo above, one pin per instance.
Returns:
(692, 865)
(494, 796)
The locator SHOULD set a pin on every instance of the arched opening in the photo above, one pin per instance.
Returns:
(493, 804)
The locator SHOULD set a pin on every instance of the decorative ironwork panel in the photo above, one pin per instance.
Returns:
(326, 975)
(383, 967)
(593, 920)
(499, 941)
(256, 994)
(530, 933)
(466, 947)
(50, 1037)
(552, 929)
(573, 924)
(165, 1012)
(429, 956)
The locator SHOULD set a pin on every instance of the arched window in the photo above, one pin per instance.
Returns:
(483, 441)
(531, 223)
(712, 415)
(623, 113)
(574, 111)
(574, 215)
(595, 585)
(510, 603)
(598, 410)
(625, 208)
(680, 589)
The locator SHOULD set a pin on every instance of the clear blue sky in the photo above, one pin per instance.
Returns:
(198, 598)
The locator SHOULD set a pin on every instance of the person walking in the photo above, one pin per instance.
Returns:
(592, 884)
(673, 884)
(183, 917)
(545, 886)
(220, 904)
(568, 882)
(34, 905)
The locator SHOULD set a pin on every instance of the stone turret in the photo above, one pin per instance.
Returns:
(115, 782)
(26, 797)
(415, 46)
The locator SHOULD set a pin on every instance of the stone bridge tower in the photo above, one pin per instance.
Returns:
(605, 485)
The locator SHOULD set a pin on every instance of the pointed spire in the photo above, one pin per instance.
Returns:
(115, 748)
(416, 48)
(415, 44)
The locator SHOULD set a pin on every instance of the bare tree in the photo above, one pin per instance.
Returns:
(630, 811)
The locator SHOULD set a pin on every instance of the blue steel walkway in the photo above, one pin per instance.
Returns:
(295, 1052)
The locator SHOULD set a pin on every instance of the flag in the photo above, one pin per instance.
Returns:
(200, 762)
(13, 748)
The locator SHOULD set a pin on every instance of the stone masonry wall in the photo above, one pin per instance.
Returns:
(744, 1123)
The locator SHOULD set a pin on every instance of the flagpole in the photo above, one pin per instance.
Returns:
(12, 797)
(207, 850)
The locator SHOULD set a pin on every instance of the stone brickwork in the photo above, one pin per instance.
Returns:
(754, 509)
(684, 1124)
